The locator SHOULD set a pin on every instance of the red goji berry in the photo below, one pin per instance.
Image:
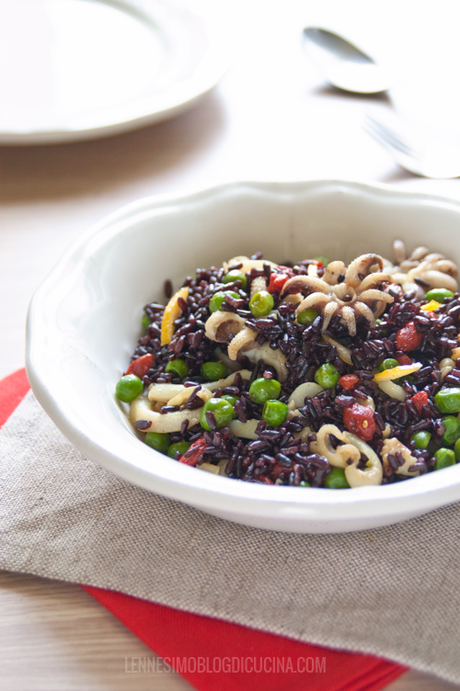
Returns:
(141, 365)
(408, 338)
(195, 450)
(277, 282)
(348, 381)
(359, 420)
(420, 399)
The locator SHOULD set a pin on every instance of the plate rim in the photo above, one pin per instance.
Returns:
(141, 112)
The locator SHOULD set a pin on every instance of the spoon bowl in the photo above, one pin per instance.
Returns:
(343, 64)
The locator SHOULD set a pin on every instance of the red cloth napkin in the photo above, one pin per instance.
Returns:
(216, 655)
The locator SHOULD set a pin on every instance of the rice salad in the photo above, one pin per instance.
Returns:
(313, 374)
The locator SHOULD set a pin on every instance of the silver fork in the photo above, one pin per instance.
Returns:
(412, 150)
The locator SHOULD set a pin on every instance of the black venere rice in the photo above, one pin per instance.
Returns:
(288, 453)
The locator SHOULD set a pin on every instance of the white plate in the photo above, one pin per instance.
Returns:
(80, 69)
(84, 322)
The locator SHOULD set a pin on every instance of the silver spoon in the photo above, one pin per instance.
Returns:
(343, 64)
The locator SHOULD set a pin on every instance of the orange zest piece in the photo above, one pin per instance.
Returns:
(430, 306)
(396, 372)
(171, 313)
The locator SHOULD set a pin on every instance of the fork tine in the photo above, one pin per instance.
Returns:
(393, 135)
(415, 152)
(375, 134)
(383, 134)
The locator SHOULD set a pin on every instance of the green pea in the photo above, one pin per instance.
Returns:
(307, 316)
(421, 439)
(336, 479)
(326, 376)
(275, 412)
(261, 304)
(212, 371)
(262, 390)
(180, 446)
(439, 294)
(157, 441)
(452, 433)
(304, 483)
(218, 298)
(232, 400)
(448, 400)
(444, 458)
(325, 260)
(128, 388)
(222, 409)
(235, 275)
(457, 450)
(178, 366)
(388, 363)
(145, 323)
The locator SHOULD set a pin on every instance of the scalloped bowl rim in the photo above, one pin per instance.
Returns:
(249, 503)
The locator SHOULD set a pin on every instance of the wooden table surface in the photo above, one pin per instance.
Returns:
(271, 118)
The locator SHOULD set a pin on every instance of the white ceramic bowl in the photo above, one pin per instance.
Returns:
(85, 318)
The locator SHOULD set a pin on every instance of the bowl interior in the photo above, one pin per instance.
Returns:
(85, 319)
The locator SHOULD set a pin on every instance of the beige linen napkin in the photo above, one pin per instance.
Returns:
(393, 592)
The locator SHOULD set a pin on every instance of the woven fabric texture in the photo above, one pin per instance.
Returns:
(393, 592)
